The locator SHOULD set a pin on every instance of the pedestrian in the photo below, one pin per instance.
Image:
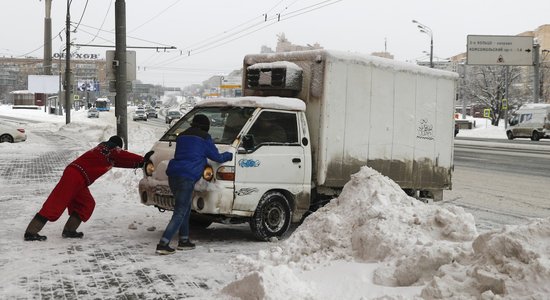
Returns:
(193, 146)
(72, 193)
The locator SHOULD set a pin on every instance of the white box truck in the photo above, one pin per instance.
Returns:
(531, 120)
(306, 122)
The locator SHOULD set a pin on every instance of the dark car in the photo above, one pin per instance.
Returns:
(172, 115)
(456, 128)
(152, 113)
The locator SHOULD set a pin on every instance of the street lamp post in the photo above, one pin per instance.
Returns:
(427, 30)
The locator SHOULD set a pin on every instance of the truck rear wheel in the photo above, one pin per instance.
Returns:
(510, 135)
(272, 216)
(535, 136)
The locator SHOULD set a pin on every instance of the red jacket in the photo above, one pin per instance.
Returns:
(102, 158)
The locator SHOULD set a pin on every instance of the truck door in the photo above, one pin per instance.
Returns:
(276, 160)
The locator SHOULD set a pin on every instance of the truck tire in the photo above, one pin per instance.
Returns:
(510, 135)
(535, 136)
(272, 216)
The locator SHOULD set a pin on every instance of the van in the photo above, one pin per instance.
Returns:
(531, 120)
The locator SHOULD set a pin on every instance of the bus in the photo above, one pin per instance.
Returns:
(103, 104)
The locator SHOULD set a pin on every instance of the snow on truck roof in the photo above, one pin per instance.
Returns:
(263, 102)
(352, 57)
(534, 106)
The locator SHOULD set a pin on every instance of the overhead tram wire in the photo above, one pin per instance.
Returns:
(154, 17)
(229, 30)
(130, 37)
(102, 23)
(42, 46)
(278, 18)
(81, 16)
(311, 8)
(225, 33)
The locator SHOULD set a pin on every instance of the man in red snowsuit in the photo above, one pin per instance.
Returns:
(72, 193)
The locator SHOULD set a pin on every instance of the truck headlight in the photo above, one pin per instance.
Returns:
(149, 168)
(226, 173)
(208, 173)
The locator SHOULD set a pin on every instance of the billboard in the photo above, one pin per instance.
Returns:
(47, 84)
(87, 86)
(499, 50)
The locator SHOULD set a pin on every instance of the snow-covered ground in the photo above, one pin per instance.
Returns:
(372, 242)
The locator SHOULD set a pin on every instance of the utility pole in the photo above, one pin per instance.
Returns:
(48, 39)
(536, 74)
(68, 65)
(120, 69)
(47, 44)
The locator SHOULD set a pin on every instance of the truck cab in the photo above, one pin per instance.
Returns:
(267, 183)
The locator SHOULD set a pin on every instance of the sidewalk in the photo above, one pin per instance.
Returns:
(115, 259)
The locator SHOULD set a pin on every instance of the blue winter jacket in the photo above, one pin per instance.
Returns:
(193, 147)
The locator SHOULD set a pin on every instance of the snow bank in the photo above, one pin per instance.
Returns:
(513, 263)
(372, 220)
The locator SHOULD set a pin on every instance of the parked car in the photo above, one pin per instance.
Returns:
(12, 133)
(151, 112)
(140, 114)
(93, 113)
(172, 115)
(457, 128)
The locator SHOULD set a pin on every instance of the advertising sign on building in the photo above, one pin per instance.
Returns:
(87, 86)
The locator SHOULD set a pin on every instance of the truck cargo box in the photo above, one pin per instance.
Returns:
(362, 110)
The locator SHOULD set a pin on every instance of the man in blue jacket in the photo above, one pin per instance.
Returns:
(193, 147)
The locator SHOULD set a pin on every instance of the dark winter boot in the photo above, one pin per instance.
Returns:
(36, 224)
(164, 249)
(69, 231)
(185, 245)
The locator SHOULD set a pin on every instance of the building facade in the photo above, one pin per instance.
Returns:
(14, 72)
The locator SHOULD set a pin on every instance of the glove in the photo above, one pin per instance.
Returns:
(146, 158)
(227, 156)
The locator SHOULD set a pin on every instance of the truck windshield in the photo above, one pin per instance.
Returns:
(225, 123)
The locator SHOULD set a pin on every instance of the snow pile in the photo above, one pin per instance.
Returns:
(513, 262)
(270, 283)
(372, 220)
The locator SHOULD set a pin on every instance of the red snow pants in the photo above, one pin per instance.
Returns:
(71, 193)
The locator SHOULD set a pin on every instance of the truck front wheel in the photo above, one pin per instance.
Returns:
(272, 216)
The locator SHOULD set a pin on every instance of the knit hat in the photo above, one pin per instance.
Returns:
(116, 140)
(201, 121)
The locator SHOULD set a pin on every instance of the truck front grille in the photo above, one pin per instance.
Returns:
(164, 201)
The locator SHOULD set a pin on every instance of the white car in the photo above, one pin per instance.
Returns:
(140, 114)
(93, 113)
(12, 133)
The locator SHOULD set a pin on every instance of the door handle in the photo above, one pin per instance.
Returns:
(296, 160)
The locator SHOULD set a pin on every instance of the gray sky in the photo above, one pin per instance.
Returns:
(219, 33)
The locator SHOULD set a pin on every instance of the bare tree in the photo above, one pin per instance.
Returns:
(487, 86)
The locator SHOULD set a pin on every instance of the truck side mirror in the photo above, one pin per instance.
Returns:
(247, 144)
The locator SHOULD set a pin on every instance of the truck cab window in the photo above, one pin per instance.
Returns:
(275, 128)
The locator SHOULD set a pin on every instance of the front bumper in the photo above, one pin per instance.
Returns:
(208, 198)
